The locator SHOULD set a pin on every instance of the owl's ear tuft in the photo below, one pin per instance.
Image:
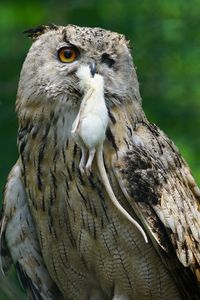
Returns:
(127, 41)
(34, 33)
(123, 39)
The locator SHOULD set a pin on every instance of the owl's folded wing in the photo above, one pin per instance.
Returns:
(161, 191)
(19, 243)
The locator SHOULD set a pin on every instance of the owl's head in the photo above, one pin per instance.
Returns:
(49, 71)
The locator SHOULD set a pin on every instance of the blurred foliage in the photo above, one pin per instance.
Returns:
(165, 38)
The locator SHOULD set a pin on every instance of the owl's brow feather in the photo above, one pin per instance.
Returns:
(65, 38)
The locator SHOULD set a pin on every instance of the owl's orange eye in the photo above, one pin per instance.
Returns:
(68, 54)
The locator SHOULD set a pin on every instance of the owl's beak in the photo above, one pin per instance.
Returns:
(93, 68)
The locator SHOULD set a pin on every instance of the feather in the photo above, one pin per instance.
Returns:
(34, 33)
(161, 191)
(19, 244)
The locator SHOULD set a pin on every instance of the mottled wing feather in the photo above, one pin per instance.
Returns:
(27, 284)
(19, 242)
(158, 185)
(5, 258)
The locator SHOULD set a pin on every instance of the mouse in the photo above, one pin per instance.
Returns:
(89, 132)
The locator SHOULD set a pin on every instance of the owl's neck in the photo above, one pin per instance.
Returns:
(49, 129)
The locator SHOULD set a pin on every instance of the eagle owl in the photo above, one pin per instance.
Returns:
(59, 226)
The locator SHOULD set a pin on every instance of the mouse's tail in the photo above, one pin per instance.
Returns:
(105, 180)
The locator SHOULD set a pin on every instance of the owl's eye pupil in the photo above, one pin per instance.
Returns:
(67, 53)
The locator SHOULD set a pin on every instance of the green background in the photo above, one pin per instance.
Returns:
(165, 38)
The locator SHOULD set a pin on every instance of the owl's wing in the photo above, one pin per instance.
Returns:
(160, 189)
(19, 243)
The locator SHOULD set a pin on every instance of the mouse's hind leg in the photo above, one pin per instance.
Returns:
(88, 166)
(83, 160)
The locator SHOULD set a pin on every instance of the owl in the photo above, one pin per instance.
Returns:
(59, 227)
